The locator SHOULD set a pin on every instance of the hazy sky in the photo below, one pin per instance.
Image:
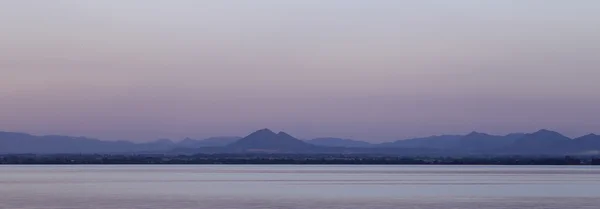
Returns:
(372, 70)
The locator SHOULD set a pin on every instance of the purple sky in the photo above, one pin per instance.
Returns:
(371, 70)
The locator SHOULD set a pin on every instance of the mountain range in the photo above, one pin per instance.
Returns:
(11, 142)
(542, 142)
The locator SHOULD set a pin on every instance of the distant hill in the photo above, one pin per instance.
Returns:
(25, 143)
(209, 142)
(338, 142)
(11, 142)
(432, 142)
(266, 140)
(587, 145)
(542, 142)
(588, 142)
(483, 143)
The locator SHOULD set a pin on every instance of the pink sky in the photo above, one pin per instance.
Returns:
(375, 71)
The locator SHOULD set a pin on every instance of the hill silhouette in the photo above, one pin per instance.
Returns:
(542, 142)
(265, 140)
(432, 142)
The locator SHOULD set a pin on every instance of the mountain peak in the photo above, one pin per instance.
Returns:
(475, 133)
(589, 136)
(264, 132)
(542, 140)
(268, 141)
(545, 131)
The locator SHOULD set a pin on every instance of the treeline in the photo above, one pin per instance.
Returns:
(294, 159)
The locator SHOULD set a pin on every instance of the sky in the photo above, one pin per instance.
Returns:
(370, 70)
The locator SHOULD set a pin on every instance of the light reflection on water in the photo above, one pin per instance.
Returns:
(277, 186)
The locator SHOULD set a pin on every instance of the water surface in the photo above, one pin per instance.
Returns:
(298, 186)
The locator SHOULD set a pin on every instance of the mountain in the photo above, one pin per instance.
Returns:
(338, 142)
(473, 142)
(432, 142)
(482, 142)
(219, 141)
(541, 142)
(266, 140)
(158, 145)
(189, 142)
(11, 142)
(588, 144)
(209, 142)
(25, 143)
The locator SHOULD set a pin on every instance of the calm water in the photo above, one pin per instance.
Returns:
(310, 187)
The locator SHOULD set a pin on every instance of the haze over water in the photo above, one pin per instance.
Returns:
(299, 187)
